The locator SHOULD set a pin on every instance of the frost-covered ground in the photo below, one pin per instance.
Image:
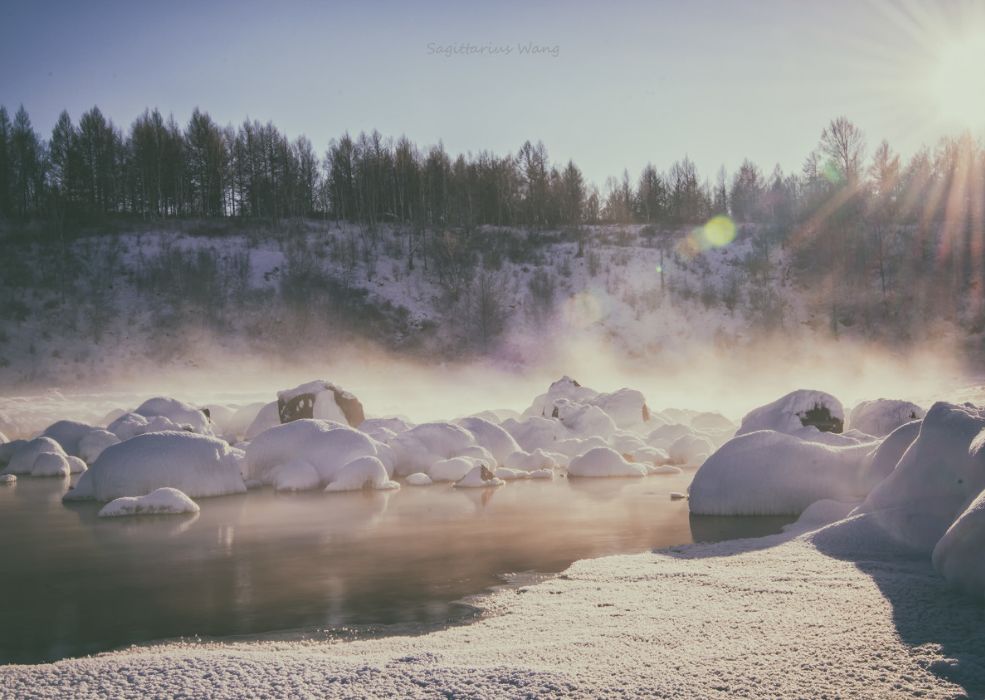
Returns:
(812, 616)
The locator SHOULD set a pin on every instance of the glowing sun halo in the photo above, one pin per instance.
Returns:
(959, 82)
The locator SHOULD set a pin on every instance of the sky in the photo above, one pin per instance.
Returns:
(614, 85)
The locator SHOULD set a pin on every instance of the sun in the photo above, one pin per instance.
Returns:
(959, 83)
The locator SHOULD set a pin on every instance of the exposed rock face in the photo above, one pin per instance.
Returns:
(820, 417)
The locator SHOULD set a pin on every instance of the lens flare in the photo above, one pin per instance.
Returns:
(719, 231)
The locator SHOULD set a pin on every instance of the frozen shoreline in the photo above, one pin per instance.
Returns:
(829, 613)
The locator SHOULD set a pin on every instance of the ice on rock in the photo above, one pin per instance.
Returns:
(94, 442)
(162, 501)
(604, 462)
(68, 434)
(418, 479)
(420, 447)
(772, 473)
(451, 469)
(530, 461)
(363, 473)
(479, 477)
(490, 436)
(199, 465)
(181, 414)
(535, 432)
(294, 475)
(936, 478)
(51, 464)
(882, 416)
(959, 555)
(22, 460)
(792, 413)
(690, 449)
(324, 445)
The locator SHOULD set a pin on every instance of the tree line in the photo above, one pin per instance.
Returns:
(157, 168)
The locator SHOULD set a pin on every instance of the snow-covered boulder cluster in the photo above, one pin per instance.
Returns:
(915, 478)
(162, 501)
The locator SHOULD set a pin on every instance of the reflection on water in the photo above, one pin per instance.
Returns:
(74, 584)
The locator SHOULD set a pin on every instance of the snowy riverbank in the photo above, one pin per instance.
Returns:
(782, 616)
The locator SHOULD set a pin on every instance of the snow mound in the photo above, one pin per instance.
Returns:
(237, 425)
(326, 446)
(267, 417)
(418, 479)
(712, 422)
(94, 442)
(959, 556)
(936, 478)
(535, 432)
(418, 448)
(7, 450)
(690, 449)
(510, 474)
(51, 464)
(197, 464)
(530, 461)
(181, 414)
(795, 411)
(363, 473)
(7, 479)
(664, 435)
(490, 436)
(479, 477)
(887, 455)
(626, 407)
(604, 462)
(882, 416)
(451, 469)
(23, 458)
(772, 473)
(541, 474)
(295, 475)
(563, 388)
(68, 434)
(158, 502)
(127, 426)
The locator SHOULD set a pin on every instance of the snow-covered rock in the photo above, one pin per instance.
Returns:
(490, 436)
(7, 450)
(362, 473)
(510, 474)
(51, 464)
(791, 413)
(664, 435)
(603, 462)
(712, 422)
(181, 414)
(68, 434)
(772, 473)
(884, 458)
(563, 388)
(197, 464)
(420, 447)
(882, 416)
(584, 419)
(385, 429)
(959, 555)
(418, 479)
(94, 442)
(320, 400)
(128, 425)
(573, 447)
(294, 475)
(690, 449)
(22, 460)
(162, 501)
(479, 477)
(535, 432)
(7, 479)
(237, 425)
(936, 478)
(451, 469)
(324, 445)
(626, 407)
(267, 417)
(530, 461)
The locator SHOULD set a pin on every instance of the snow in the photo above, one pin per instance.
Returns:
(887, 455)
(7, 479)
(7, 450)
(772, 473)
(326, 446)
(604, 462)
(181, 414)
(51, 464)
(490, 436)
(267, 417)
(535, 432)
(418, 479)
(959, 556)
(68, 434)
(690, 449)
(23, 458)
(196, 464)
(936, 478)
(511, 474)
(128, 425)
(530, 461)
(785, 415)
(420, 447)
(237, 425)
(479, 477)
(94, 442)
(451, 469)
(326, 406)
(883, 416)
(294, 475)
(363, 473)
(712, 422)
(158, 502)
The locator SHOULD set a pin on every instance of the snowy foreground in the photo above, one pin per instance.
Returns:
(876, 591)
(775, 617)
